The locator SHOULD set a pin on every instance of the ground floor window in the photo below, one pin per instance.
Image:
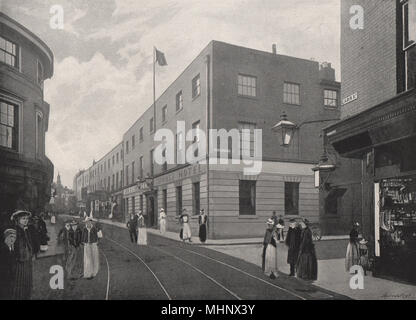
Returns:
(165, 200)
(196, 203)
(247, 195)
(291, 198)
(178, 200)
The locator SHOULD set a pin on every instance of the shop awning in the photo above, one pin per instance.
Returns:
(387, 122)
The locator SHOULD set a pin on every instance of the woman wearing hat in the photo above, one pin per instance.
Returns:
(25, 248)
(74, 264)
(63, 239)
(186, 233)
(90, 242)
(162, 221)
(203, 219)
(307, 265)
(270, 250)
(352, 257)
(7, 263)
(142, 232)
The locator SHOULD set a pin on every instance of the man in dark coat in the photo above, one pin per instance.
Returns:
(7, 264)
(132, 226)
(293, 242)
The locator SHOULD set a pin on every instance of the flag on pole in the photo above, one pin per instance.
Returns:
(160, 58)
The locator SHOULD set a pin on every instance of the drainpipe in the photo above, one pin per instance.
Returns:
(208, 122)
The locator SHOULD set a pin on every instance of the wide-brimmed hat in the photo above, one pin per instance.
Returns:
(292, 220)
(9, 232)
(20, 213)
(270, 222)
(162, 210)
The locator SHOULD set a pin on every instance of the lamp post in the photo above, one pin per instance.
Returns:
(286, 130)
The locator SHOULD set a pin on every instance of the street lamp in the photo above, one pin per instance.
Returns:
(286, 129)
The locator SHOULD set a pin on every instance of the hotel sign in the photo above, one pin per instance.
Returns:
(180, 174)
(350, 98)
(130, 190)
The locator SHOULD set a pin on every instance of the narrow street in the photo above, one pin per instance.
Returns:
(169, 270)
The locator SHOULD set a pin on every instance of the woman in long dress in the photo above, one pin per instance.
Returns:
(25, 247)
(307, 265)
(162, 221)
(203, 218)
(91, 257)
(186, 233)
(142, 232)
(270, 255)
(352, 256)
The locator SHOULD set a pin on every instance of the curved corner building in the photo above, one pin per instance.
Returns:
(25, 172)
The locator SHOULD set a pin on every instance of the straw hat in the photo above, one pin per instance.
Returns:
(19, 213)
(9, 232)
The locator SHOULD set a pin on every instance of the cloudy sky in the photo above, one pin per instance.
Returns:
(103, 56)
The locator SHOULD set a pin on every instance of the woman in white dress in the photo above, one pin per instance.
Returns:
(270, 241)
(186, 235)
(162, 221)
(142, 232)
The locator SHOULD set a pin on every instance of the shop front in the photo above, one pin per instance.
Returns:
(384, 139)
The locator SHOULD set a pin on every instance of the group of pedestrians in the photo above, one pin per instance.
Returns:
(301, 254)
(21, 242)
(80, 242)
(137, 228)
(185, 232)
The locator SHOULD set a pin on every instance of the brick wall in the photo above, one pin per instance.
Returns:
(368, 56)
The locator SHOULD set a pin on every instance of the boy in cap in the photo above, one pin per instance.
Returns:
(7, 263)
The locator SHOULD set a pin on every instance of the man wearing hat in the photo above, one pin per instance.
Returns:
(292, 242)
(132, 227)
(26, 247)
(7, 263)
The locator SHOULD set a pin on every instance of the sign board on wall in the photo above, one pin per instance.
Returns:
(180, 174)
(350, 98)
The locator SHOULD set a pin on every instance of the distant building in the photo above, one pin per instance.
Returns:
(25, 172)
(230, 87)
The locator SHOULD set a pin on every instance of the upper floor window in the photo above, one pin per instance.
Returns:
(196, 138)
(39, 134)
(247, 85)
(247, 139)
(127, 147)
(179, 101)
(164, 113)
(133, 142)
(117, 157)
(330, 98)
(108, 164)
(8, 52)
(291, 93)
(8, 125)
(409, 23)
(40, 73)
(151, 125)
(141, 134)
(196, 86)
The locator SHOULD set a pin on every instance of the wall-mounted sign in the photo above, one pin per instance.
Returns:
(350, 98)
(180, 174)
(130, 190)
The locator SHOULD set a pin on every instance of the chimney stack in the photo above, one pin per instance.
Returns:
(274, 49)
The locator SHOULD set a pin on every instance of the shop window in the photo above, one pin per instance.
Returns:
(291, 198)
(247, 197)
(196, 202)
(8, 125)
(178, 200)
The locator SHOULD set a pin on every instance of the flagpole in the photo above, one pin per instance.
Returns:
(154, 89)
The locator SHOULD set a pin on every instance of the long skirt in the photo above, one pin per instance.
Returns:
(53, 220)
(186, 232)
(91, 260)
(203, 232)
(74, 263)
(352, 256)
(307, 267)
(23, 281)
(270, 261)
(142, 237)
(162, 226)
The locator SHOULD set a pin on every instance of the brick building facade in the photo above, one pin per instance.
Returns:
(25, 172)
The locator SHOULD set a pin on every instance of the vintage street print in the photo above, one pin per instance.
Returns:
(209, 151)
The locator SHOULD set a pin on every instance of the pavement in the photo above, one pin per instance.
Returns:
(333, 282)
